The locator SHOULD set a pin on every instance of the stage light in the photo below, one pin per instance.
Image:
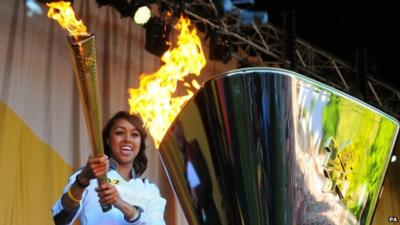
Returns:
(33, 8)
(247, 17)
(393, 159)
(142, 15)
(156, 36)
(223, 7)
(141, 11)
(242, 3)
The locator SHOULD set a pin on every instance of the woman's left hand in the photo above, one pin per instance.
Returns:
(108, 194)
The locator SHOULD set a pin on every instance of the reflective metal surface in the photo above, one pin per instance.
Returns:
(83, 55)
(268, 146)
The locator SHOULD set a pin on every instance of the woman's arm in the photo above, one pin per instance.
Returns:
(67, 207)
(62, 214)
(95, 167)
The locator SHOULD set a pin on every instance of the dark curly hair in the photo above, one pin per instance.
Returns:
(140, 163)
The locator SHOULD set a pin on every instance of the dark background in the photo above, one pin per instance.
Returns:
(341, 28)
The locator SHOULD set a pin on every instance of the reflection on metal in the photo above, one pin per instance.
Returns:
(269, 146)
(337, 168)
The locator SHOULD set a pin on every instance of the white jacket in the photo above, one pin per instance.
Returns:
(137, 192)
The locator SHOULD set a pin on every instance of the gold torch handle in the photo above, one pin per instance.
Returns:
(83, 54)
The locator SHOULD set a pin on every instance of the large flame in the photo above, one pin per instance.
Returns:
(64, 14)
(154, 100)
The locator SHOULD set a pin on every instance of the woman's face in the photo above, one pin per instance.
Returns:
(124, 141)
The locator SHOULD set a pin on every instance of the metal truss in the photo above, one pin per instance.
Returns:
(265, 45)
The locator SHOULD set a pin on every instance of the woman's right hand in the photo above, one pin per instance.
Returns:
(95, 167)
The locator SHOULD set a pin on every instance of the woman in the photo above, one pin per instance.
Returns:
(134, 200)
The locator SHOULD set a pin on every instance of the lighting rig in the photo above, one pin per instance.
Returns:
(240, 28)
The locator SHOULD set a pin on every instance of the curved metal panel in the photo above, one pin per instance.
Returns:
(267, 146)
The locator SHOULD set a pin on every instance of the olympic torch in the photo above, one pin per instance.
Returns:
(83, 54)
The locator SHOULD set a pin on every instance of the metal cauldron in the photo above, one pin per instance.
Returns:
(268, 146)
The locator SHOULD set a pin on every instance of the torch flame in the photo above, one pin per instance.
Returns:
(64, 14)
(154, 100)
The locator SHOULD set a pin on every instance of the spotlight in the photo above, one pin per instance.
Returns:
(33, 8)
(142, 15)
(141, 11)
(242, 3)
(247, 17)
(156, 36)
(393, 159)
(223, 7)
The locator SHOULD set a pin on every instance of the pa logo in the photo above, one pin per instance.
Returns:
(393, 219)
